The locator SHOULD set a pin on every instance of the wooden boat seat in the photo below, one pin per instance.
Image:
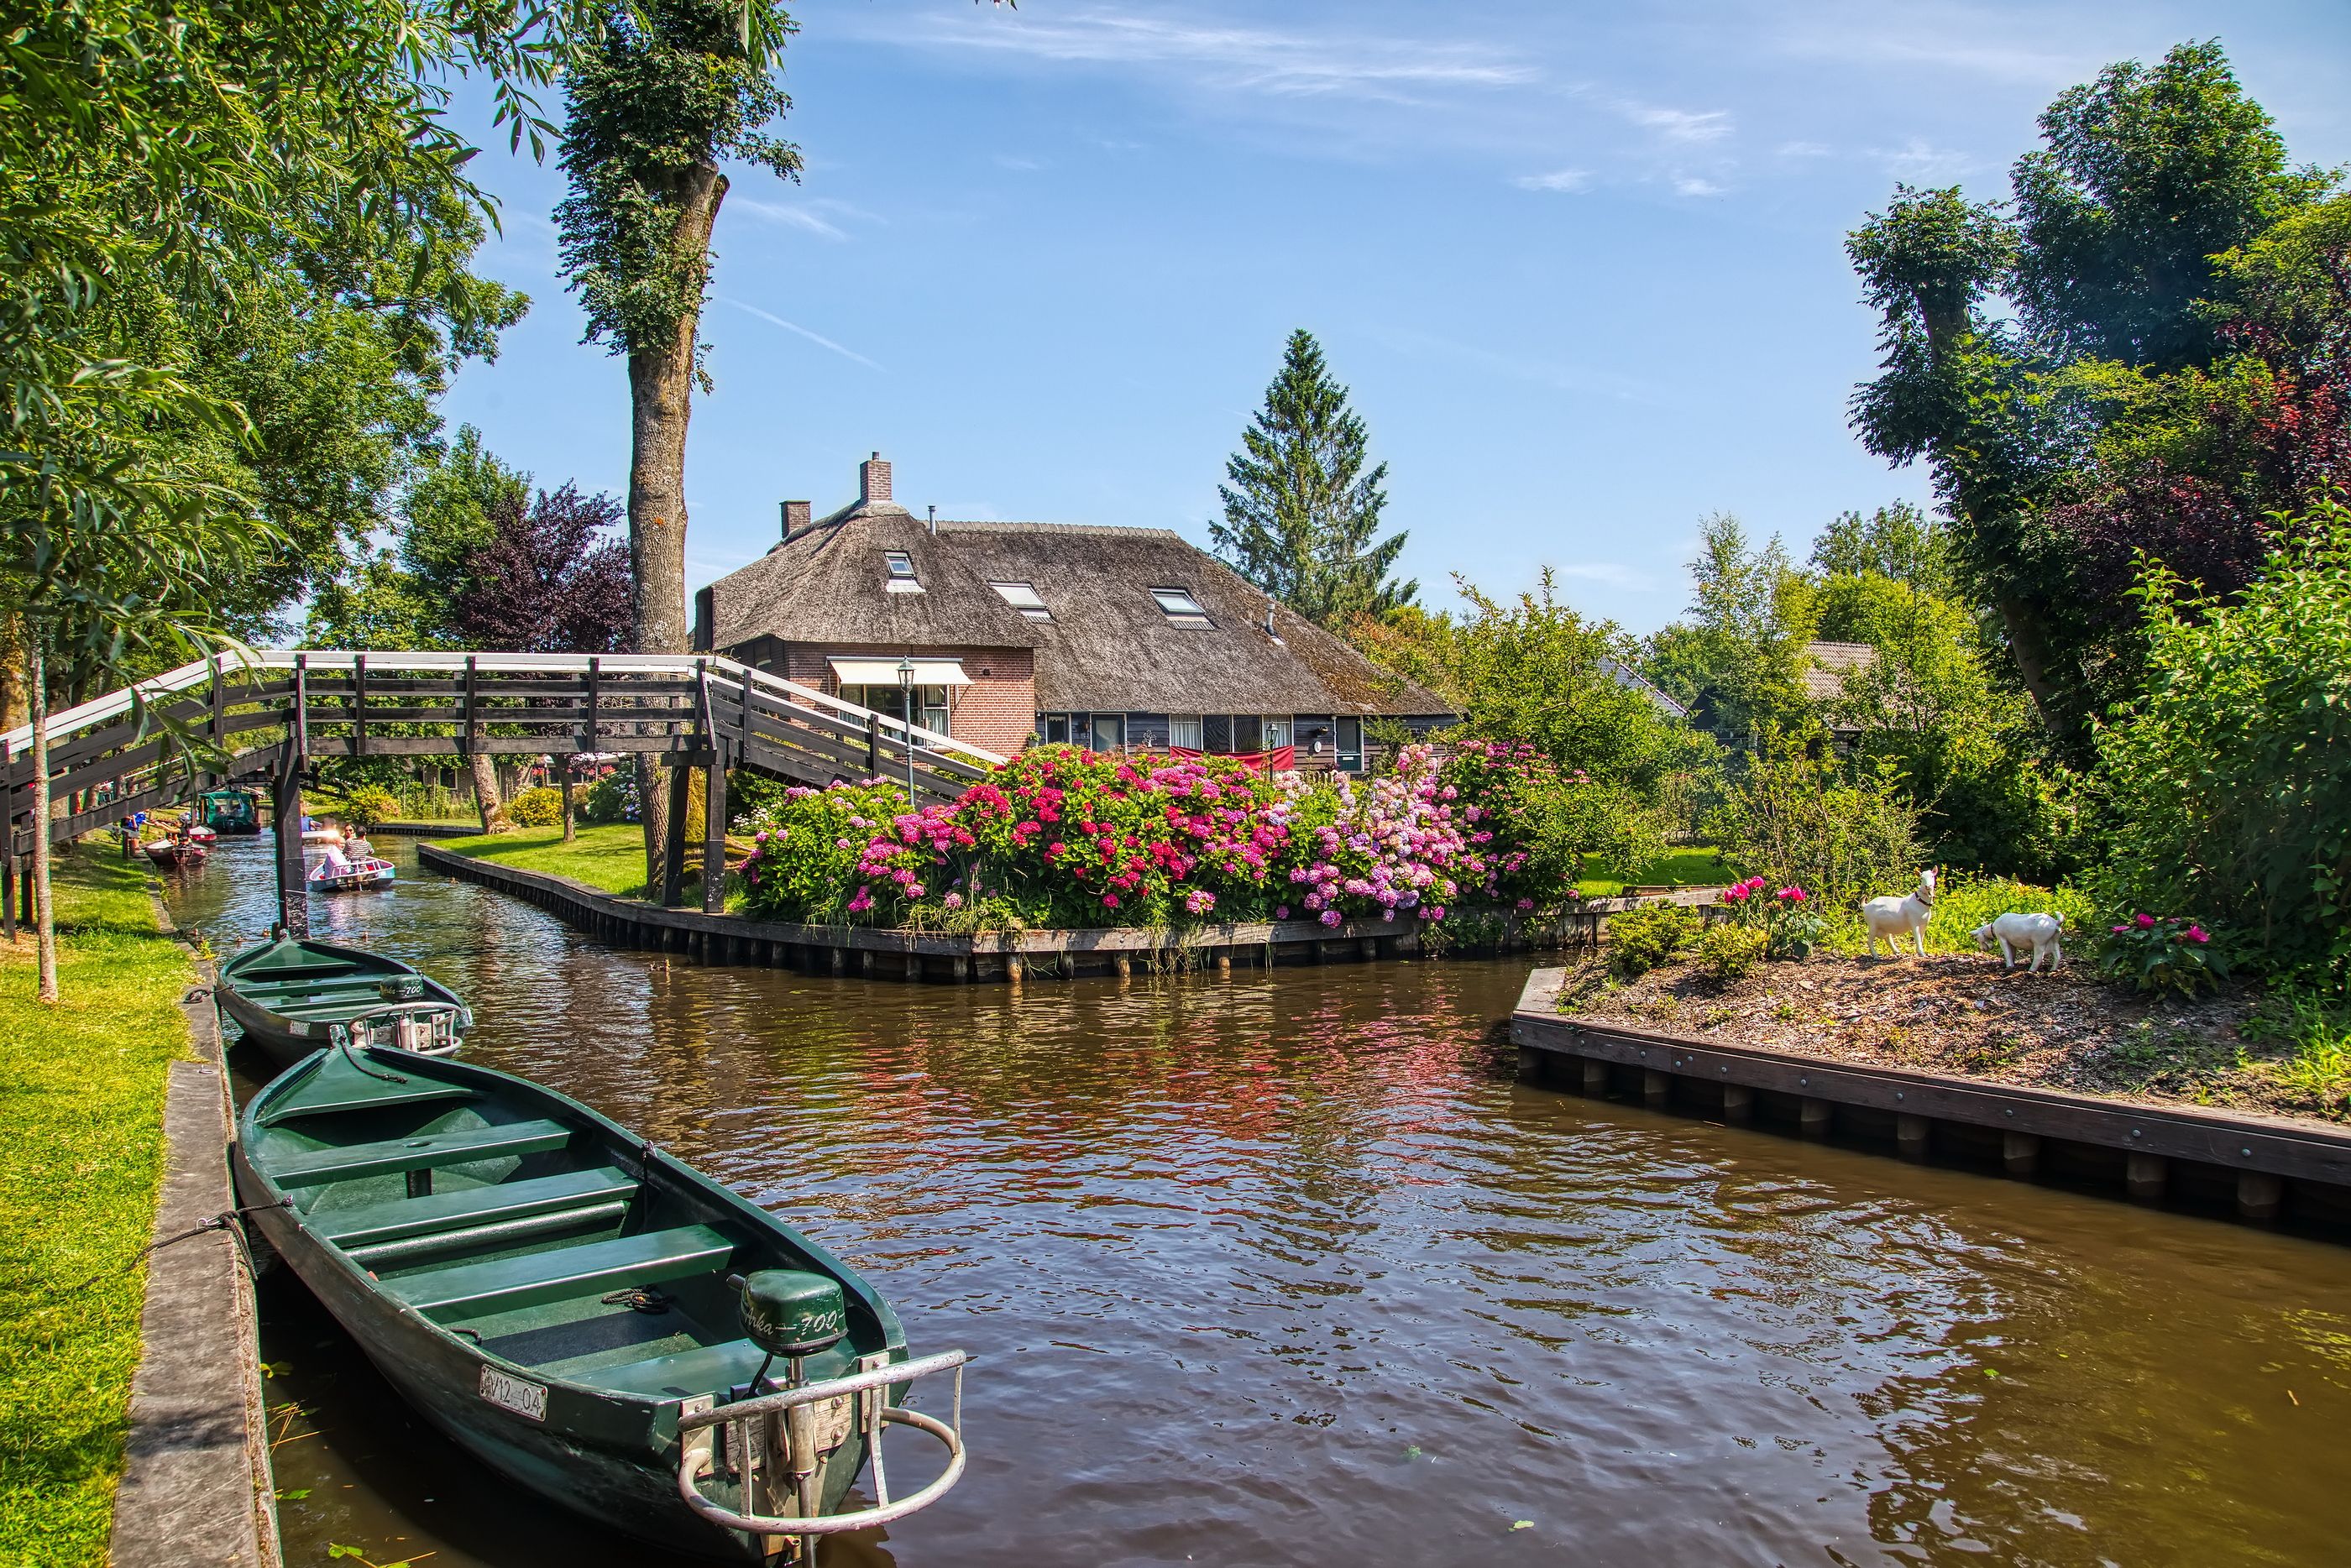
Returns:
(534, 1279)
(323, 1096)
(706, 1369)
(404, 1217)
(426, 1151)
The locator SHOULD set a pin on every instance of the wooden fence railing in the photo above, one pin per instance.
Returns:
(227, 719)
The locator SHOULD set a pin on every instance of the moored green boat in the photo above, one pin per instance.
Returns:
(586, 1315)
(288, 994)
(230, 810)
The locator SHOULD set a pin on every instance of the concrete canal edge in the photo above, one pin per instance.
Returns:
(196, 1485)
(899, 954)
(2261, 1166)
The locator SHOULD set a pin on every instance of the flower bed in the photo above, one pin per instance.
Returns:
(1065, 838)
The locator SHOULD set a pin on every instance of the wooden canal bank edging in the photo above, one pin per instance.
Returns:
(899, 954)
(2260, 1166)
(196, 1484)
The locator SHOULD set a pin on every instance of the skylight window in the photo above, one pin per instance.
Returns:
(1178, 606)
(1022, 597)
(902, 572)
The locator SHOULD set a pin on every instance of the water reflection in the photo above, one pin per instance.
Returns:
(1287, 1270)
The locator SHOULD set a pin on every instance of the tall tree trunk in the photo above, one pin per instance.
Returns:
(661, 399)
(45, 925)
(486, 799)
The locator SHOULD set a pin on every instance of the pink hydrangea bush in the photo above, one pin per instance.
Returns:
(1065, 836)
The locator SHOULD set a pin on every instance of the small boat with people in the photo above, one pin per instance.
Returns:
(588, 1317)
(288, 994)
(229, 810)
(336, 873)
(176, 852)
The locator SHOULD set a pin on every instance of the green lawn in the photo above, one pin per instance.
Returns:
(81, 1095)
(611, 857)
(1697, 867)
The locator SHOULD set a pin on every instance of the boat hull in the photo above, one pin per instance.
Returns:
(609, 1456)
(287, 1040)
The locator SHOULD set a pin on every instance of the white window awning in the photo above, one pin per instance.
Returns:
(884, 671)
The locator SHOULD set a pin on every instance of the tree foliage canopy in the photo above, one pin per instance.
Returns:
(1302, 510)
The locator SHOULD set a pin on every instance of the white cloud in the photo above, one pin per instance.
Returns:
(1612, 573)
(1695, 185)
(823, 342)
(791, 214)
(1918, 161)
(1226, 56)
(1022, 165)
(1680, 124)
(1569, 179)
(1803, 149)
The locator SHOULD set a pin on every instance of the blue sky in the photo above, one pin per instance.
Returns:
(1580, 264)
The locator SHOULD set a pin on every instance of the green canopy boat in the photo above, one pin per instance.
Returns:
(229, 810)
(586, 1315)
(288, 994)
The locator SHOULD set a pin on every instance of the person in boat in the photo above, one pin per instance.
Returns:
(333, 863)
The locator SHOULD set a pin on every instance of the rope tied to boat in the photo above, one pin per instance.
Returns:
(227, 1219)
(342, 1036)
(639, 1298)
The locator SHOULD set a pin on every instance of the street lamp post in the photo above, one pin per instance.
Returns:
(906, 713)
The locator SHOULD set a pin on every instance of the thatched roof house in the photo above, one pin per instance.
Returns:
(1113, 636)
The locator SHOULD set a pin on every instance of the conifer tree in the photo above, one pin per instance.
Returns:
(1302, 514)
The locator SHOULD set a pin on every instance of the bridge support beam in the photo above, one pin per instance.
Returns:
(681, 790)
(285, 802)
(714, 836)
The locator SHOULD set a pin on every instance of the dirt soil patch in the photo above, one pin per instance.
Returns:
(1961, 1013)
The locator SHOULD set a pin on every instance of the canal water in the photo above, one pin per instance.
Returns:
(1286, 1270)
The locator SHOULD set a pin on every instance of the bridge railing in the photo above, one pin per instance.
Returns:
(131, 749)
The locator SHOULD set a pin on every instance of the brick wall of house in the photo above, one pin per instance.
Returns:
(998, 712)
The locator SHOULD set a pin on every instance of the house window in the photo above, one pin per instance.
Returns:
(1109, 732)
(1216, 734)
(1276, 734)
(930, 703)
(1179, 607)
(1053, 728)
(1350, 746)
(1183, 732)
(1022, 597)
(1248, 734)
(902, 578)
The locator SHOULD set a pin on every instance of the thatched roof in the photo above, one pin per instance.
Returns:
(1828, 664)
(1108, 646)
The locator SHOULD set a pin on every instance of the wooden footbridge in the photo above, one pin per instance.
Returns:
(266, 717)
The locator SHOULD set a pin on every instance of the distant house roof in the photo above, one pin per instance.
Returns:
(1104, 642)
(1828, 664)
(1634, 680)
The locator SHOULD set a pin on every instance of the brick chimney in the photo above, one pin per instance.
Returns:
(795, 518)
(873, 480)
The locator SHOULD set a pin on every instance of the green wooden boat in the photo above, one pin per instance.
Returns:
(230, 810)
(586, 1315)
(288, 994)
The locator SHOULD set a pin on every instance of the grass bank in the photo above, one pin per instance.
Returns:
(1700, 866)
(81, 1095)
(610, 857)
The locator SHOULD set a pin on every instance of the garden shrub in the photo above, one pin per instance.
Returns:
(2171, 954)
(1784, 919)
(368, 806)
(540, 807)
(613, 798)
(2227, 787)
(805, 845)
(1560, 821)
(1962, 903)
(1649, 935)
(1728, 950)
(1842, 832)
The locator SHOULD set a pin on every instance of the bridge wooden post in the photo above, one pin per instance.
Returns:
(872, 745)
(7, 843)
(285, 801)
(681, 786)
(713, 834)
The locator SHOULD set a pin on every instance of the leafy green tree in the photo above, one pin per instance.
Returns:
(2225, 790)
(1989, 316)
(1303, 511)
(668, 92)
(1737, 663)
(1900, 542)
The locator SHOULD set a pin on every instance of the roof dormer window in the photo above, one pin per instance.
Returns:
(902, 579)
(1022, 597)
(1179, 607)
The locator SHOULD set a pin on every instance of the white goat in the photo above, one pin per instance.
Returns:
(2013, 931)
(1890, 916)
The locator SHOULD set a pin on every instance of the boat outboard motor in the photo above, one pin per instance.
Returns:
(793, 1315)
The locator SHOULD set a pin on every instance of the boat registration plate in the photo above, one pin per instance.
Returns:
(509, 1392)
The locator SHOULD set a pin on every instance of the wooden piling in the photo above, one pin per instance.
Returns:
(2259, 1195)
(2020, 1153)
(1814, 1118)
(1738, 1103)
(1657, 1087)
(2145, 1178)
(1595, 1076)
(1911, 1135)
